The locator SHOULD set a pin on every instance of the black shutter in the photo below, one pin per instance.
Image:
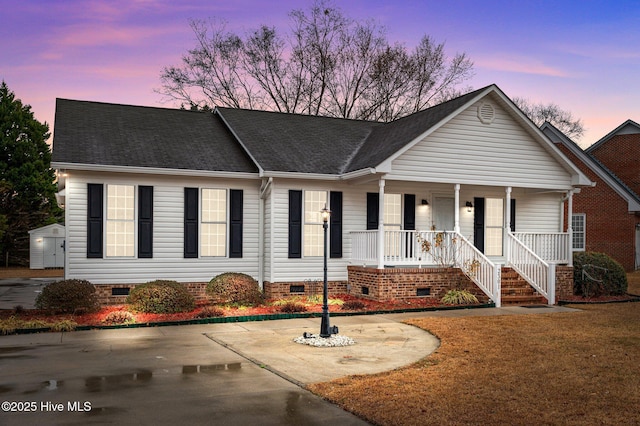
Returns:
(373, 201)
(235, 226)
(335, 228)
(95, 200)
(513, 215)
(478, 223)
(295, 224)
(145, 222)
(409, 212)
(191, 222)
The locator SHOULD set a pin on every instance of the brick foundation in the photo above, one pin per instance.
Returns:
(564, 282)
(303, 288)
(408, 283)
(106, 297)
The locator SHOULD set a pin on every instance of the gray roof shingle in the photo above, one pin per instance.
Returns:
(122, 135)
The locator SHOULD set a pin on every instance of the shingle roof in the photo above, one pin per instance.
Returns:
(122, 135)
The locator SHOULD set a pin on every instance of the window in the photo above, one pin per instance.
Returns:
(314, 202)
(392, 212)
(578, 223)
(494, 222)
(120, 226)
(213, 232)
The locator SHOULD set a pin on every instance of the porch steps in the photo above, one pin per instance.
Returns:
(517, 291)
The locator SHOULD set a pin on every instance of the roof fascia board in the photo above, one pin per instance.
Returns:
(612, 134)
(152, 170)
(386, 164)
(235, 135)
(632, 202)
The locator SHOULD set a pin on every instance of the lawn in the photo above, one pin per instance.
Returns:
(571, 368)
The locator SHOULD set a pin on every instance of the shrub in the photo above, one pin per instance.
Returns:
(210, 312)
(161, 297)
(119, 317)
(459, 297)
(232, 287)
(64, 325)
(353, 305)
(292, 306)
(68, 297)
(596, 274)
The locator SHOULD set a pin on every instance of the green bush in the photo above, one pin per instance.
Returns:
(233, 287)
(459, 297)
(597, 274)
(68, 297)
(161, 297)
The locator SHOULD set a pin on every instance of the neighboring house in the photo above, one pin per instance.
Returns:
(606, 217)
(154, 193)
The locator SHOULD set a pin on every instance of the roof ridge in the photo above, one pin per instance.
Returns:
(131, 105)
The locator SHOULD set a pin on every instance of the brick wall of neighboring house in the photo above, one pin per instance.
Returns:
(408, 283)
(621, 155)
(610, 228)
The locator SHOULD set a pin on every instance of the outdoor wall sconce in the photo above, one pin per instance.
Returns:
(425, 202)
(469, 206)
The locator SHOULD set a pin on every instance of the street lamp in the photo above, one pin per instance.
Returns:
(325, 329)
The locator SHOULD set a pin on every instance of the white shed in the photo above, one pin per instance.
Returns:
(46, 247)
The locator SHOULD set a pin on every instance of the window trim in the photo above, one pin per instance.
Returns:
(583, 232)
(133, 222)
(305, 223)
(201, 223)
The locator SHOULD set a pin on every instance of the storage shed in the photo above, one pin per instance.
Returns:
(46, 247)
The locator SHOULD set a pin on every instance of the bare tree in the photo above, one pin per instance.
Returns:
(562, 119)
(328, 65)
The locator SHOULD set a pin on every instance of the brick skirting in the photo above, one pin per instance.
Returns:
(105, 292)
(409, 283)
(564, 282)
(303, 288)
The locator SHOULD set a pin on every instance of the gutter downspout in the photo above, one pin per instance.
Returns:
(264, 188)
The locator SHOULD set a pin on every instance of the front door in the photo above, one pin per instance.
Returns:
(443, 213)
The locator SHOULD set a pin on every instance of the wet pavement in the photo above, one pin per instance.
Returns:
(21, 291)
(232, 374)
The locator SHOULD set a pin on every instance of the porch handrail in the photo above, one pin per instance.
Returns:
(538, 273)
(364, 247)
(552, 247)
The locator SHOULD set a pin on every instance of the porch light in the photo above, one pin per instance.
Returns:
(425, 202)
(325, 329)
(469, 206)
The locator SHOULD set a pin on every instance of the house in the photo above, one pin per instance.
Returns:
(156, 193)
(46, 247)
(606, 217)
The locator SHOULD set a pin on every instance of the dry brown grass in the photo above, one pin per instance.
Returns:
(13, 272)
(570, 368)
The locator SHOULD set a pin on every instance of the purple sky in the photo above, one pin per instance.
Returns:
(581, 55)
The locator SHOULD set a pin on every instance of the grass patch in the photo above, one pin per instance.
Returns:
(571, 369)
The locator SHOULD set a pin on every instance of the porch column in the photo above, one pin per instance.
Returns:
(507, 225)
(381, 225)
(456, 211)
(570, 228)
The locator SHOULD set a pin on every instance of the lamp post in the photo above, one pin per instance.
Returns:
(325, 329)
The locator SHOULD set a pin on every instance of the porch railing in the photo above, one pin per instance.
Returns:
(538, 273)
(445, 249)
(550, 247)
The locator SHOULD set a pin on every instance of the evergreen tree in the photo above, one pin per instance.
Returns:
(27, 188)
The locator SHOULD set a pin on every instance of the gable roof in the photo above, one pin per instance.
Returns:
(628, 127)
(101, 134)
(596, 166)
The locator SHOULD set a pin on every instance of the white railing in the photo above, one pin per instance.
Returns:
(537, 272)
(550, 247)
(444, 249)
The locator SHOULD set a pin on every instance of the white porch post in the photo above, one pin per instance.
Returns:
(381, 225)
(570, 228)
(456, 211)
(507, 226)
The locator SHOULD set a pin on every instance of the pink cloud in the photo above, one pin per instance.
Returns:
(515, 64)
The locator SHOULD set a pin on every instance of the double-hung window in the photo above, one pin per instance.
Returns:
(120, 223)
(213, 230)
(494, 211)
(578, 224)
(314, 202)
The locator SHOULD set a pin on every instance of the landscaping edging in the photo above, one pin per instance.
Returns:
(634, 298)
(248, 318)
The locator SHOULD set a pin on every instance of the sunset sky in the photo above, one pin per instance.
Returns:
(582, 55)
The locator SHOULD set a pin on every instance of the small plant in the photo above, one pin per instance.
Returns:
(161, 297)
(64, 325)
(68, 297)
(459, 297)
(353, 305)
(18, 310)
(210, 312)
(119, 317)
(232, 287)
(291, 306)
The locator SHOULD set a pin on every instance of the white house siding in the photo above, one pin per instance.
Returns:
(168, 261)
(466, 151)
